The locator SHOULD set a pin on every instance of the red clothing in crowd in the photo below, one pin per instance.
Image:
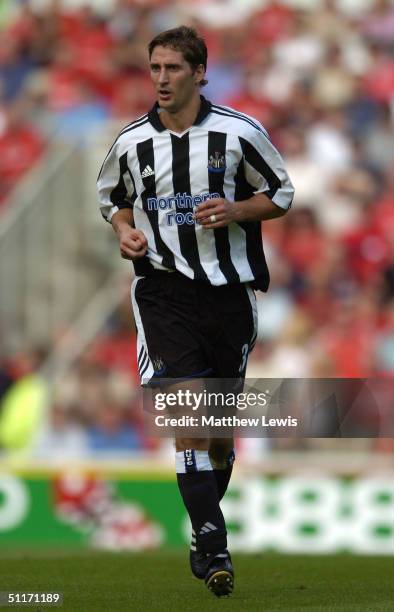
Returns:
(349, 355)
(20, 147)
(379, 82)
(130, 96)
(92, 47)
(382, 217)
(257, 107)
(349, 350)
(367, 252)
(117, 352)
(303, 247)
(64, 90)
(272, 23)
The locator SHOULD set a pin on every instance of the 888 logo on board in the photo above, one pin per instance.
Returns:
(312, 515)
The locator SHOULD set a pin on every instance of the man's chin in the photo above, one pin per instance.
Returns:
(168, 105)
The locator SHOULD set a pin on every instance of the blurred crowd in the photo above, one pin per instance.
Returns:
(321, 81)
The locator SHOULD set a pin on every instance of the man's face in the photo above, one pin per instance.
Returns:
(173, 78)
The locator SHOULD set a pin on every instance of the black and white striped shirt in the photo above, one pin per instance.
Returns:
(163, 176)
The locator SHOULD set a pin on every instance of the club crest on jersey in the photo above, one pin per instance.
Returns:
(217, 162)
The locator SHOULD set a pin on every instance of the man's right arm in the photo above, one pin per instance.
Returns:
(116, 194)
(132, 242)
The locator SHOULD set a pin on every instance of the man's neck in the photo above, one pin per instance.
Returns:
(183, 119)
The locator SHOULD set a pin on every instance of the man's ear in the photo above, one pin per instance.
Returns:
(199, 74)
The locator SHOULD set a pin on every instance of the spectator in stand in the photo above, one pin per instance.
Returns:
(362, 111)
(110, 433)
(378, 25)
(379, 79)
(91, 40)
(384, 345)
(79, 120)
(333, 85)
(24, 403)
(35, 33)
(14, 68)
(310, 178)
(20, 147)
(131, 96)
(63, 77)
(367, 244)
(387, 273)
(290, 356)
(61, 437)
(327, 23)
(250, 99)
(6, 381)
(378, 145)
(328, 143)
(347, 339)
(272, 23)
(303, 243)
(325, 282)
(225, 70)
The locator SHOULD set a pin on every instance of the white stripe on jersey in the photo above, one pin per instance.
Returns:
(140, 221)
(237, 235)
(237, 238)
(164, 179)
(230, 112)
(199, 184)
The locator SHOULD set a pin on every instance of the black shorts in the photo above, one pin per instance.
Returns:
(191, 329)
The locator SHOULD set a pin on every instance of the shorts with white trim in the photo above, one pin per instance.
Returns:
(190, 329)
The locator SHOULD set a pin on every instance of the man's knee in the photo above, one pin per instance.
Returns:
(220, 449)
(182, 444)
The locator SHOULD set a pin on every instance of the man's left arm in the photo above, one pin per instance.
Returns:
(257, 208)
(267, 177)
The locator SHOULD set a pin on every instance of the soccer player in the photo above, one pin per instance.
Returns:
(185, 188)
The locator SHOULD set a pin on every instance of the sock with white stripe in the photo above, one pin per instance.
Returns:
(223, 476)
(223, 473)
(197, 484)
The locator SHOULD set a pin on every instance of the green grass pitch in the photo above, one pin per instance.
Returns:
(150, 582)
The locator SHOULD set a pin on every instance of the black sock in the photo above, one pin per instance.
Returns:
(200, 496)
(222, 480)
(223, 475)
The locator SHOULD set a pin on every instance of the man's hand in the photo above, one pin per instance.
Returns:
(214, 213)
(132, 242)
(219, 212)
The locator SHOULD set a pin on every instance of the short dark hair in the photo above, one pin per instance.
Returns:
(186, 40)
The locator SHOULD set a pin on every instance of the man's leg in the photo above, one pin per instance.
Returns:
(209, 558)
(198, 486)
(222, 456)
(168, 318)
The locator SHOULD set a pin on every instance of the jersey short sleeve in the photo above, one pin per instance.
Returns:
(115, 185)
(264, 167)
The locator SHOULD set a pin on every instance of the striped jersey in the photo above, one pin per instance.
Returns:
(163, 176)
